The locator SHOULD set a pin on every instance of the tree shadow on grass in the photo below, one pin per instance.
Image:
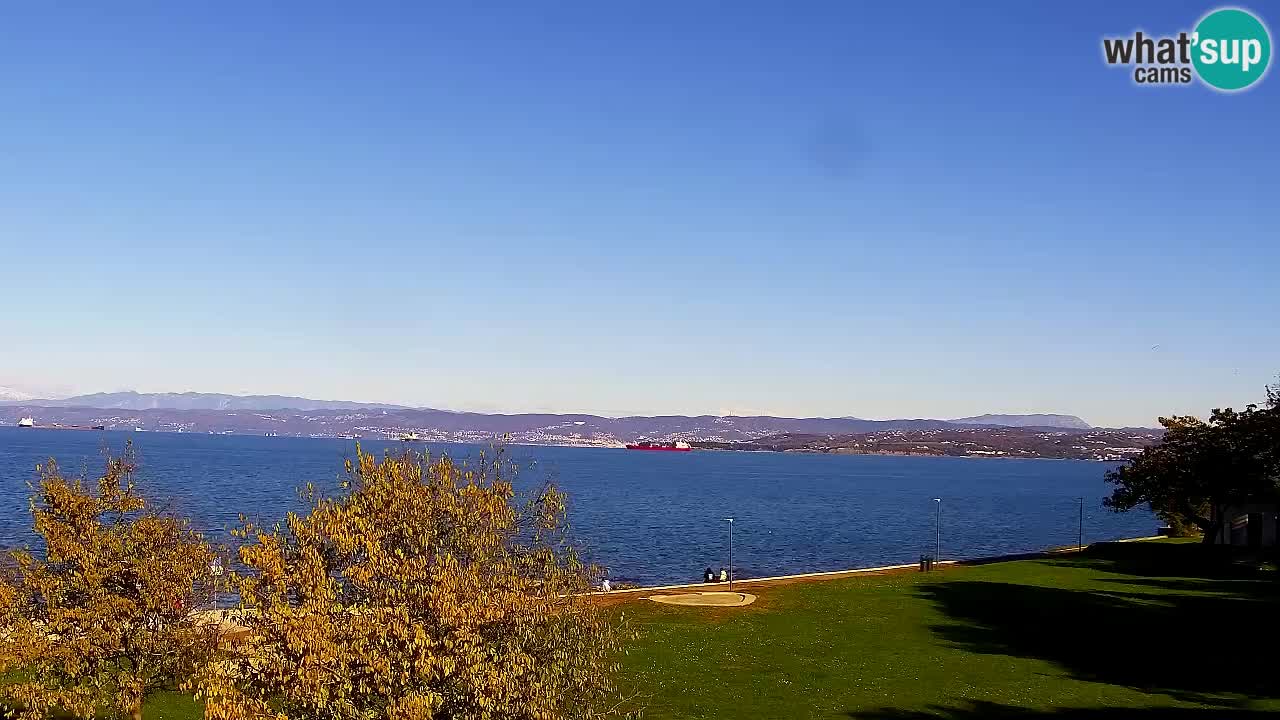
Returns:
(1194, 647)
(1180, 560)
(975, 710)
(1252, 589)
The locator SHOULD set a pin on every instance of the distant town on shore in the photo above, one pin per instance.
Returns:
(1015, 436)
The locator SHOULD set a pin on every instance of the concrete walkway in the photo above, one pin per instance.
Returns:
(881, 570)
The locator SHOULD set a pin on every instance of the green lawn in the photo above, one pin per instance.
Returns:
(1146, 630)
(161, 706)
(1139, 625)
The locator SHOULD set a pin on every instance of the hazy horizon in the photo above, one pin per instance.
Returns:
(53, 396)
(841, 210)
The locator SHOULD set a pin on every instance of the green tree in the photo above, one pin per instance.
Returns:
(426, 590)
(1199, 468)
(101, 616)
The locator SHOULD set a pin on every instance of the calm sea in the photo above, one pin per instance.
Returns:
(651, 517)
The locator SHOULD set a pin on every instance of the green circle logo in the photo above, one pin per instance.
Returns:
(1231, 49)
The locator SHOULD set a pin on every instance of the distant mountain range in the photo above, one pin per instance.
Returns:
(130, 400)
(1060, 421)
(9, 394)
(284, 415)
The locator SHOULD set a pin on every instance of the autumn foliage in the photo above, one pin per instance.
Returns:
(100, 616)
(426, 589)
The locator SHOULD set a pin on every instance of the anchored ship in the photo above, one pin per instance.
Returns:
(27, 422)
(677, 446)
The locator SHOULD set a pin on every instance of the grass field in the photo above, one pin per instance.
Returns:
(1128, 630)
(1145, 630)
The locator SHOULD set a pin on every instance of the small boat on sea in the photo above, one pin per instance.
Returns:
(27, 422)
(677, 446)
(410, 437)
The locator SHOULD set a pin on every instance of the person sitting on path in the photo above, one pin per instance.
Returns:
(724, 575)
(708, 575)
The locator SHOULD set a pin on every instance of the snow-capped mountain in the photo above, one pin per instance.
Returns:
(13, 394)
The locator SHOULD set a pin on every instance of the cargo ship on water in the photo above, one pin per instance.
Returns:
(677, 446)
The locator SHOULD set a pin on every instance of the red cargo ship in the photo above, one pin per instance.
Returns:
(677, 446)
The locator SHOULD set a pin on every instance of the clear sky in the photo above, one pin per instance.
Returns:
(845, 208)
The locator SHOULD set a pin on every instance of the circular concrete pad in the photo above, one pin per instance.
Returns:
(706, 599)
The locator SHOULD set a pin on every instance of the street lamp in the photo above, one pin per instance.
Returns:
(730, 521)
(215, 570)
(937, 552)
(1080, 535)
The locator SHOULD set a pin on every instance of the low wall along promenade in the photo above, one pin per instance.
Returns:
(837, 574)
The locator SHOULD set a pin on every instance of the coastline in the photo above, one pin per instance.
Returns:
(779, 580)
(514, 443)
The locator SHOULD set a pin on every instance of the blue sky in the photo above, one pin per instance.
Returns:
(889, 210)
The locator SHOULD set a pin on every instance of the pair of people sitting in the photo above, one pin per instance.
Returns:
(710, 576)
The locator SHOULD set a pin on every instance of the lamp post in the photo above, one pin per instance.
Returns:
(1080, 531)
(215, 570)
(937, 551)
(730, 521)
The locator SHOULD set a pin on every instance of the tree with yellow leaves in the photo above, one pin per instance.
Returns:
(100, 616)
(425, 590)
